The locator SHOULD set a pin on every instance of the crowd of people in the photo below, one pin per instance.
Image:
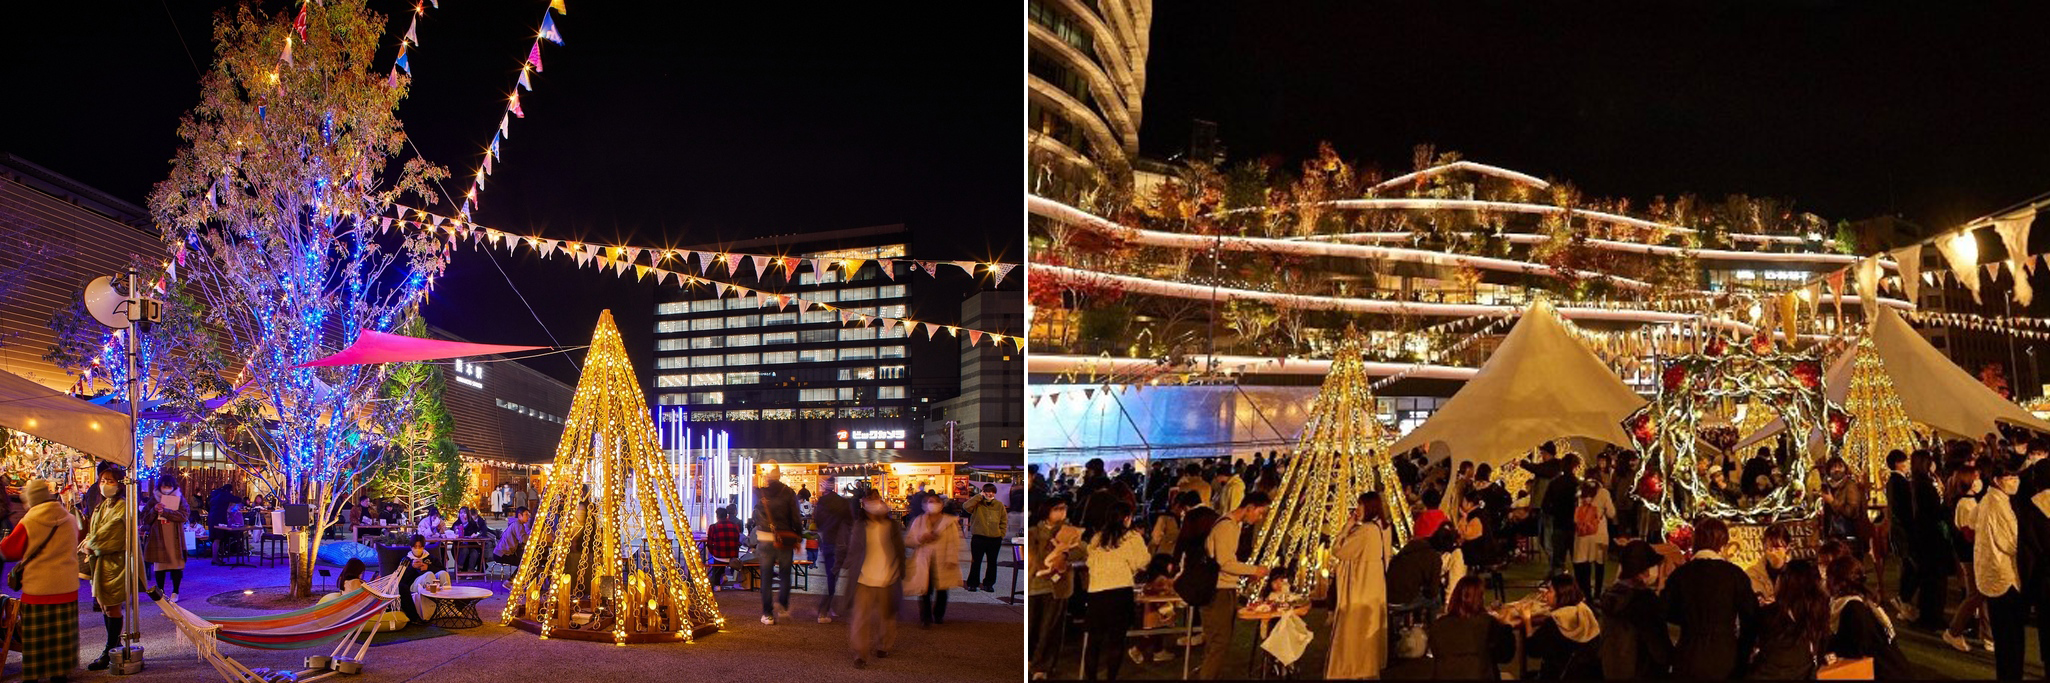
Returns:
(1966, 525)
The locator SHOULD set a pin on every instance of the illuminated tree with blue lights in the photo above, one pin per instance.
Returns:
(271, 213)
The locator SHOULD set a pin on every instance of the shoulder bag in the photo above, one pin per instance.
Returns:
(14, 575)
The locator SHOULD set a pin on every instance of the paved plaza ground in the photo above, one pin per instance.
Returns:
(1926, 652)
(983, 640)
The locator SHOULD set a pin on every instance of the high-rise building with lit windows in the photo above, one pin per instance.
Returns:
(1086, 79)
(788, 383)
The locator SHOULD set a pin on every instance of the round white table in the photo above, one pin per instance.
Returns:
(456, 606)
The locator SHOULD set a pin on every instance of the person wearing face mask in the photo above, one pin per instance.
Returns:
(777, 534)
(1765, 571)
(875, 555)
(936, 562)
(105, 550)
(1994, 572)
(1965, 489)
(1633, 617)
(164, 520)
(1051, 547)
(988, 520)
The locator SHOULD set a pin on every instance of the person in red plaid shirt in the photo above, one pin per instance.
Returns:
(722, 542)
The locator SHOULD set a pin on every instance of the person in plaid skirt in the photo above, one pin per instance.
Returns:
(42, 543)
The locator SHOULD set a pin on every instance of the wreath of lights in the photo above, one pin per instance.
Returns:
(1694, 386)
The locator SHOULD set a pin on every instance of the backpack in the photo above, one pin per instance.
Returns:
(1586, 519)
(1197, 584)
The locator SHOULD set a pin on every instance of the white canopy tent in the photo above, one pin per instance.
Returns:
(1540, 384)
(1933, 391)
(45, 413)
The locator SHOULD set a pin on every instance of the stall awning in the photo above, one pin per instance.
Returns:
(46, 413)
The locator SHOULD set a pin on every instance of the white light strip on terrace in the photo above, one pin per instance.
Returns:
(1048, 208)
(1140, 285)
(1266, 365)
(1631, 247)
(1429, 204)
(1482, 169)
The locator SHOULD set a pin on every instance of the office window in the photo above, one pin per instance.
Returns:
(815, 395)
(857, 333)
(673, 399)
(820, 316)
(857, 373)
(845, 393)
(670, 381)
(890, 372)
(1003, 443)
(670, 326)
(669, 363)
(857, 293)
(703, 305)
(739, 303)
(701, 324)
(890, 351)
(772, 357)
(704, 361)
(713, 342)
(891, 292)
(889, 411)
(816, 278)
(896, 332)
(778, 414)
(669, 344)
(707, 416)
(889, 392)
(707, 379)
(815, 355)
(815, 413)
(743, 358)
(743, 321)
(672, 308)
(825, 295)
(779, 338)
(705, 398)
(858, 412)
(743, 339)
(858, 353)
(781, 319)
(817, 336)
(743, 377)
(891, 311)
(743, 415)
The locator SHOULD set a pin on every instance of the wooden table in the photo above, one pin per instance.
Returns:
(380, 528)
(1187, 630)
(238, 539)
(456, 606)
(750, 573)
(453, 547)
(1266, 620)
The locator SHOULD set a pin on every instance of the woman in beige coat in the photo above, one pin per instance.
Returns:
(1359, 631)
(105, 550)
(935, 563)
(163, 521)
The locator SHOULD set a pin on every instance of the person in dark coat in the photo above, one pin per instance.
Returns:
(1793, 631)
(1901, 520)
(1562, 497)
(833, 516)
(1935, 556)
(1415, 573)
(1635, 642)
(1468, 643)
(1565, 635)
(1860, 629)
(1712, 601)
(218, 504)
(778, 531)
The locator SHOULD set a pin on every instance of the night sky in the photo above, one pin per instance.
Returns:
(1933, 111)
(663, 124)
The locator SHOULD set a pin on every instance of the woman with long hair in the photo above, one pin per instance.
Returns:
(1468, 643)
(106, 549)
(1964, 490)
(1560, 632)
(1359, 631)
(1862, 629)
(1794, 629)
(1934, 556)
(164, 519)
(1115, 553)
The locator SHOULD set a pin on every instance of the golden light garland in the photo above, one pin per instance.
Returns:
(608, 443)
(1879, 424)
(1343, 453)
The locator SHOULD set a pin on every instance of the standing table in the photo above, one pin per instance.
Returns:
(456, 606)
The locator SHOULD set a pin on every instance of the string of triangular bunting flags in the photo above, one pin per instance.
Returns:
(732, 262)
(620, 261)
(549, 33)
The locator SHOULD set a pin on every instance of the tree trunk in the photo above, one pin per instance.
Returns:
(302, 566)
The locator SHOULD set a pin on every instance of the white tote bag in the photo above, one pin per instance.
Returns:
(1288, 640)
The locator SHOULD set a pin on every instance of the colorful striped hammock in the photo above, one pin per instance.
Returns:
(339, 619)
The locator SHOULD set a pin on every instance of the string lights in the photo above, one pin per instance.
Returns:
(1879, 424)
(583, 567)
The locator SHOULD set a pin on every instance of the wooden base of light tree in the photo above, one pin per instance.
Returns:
(605, 635)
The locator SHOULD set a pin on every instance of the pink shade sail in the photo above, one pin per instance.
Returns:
(378, 347)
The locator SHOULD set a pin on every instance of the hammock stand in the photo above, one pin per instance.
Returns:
(340, 621)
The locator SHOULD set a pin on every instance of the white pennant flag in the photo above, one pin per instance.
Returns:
(1961, 251)
(1910, 260)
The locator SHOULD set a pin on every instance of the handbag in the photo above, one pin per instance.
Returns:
(14, 575)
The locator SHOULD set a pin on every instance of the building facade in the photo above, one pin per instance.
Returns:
(1085, 84)
(989, 415)
(800, 384)
(505, 412)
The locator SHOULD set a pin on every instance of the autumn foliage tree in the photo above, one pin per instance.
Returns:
(271, 208)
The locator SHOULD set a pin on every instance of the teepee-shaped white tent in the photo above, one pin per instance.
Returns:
(1540, 384)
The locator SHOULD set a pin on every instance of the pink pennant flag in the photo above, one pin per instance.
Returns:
(534, 56)
(790, 267)
(619, 267)
(818, 269)
(547, 247)
(760, 264)
(931, 331)
(931, 268)
(889, 268)
(845, 315)
(720, 288)
(437, 220)
(633, 254)
(967, 267)
(866, 319)
(974, 337)
(704, 262)
(487, 164)
(732, 263)
(524, 83)
(888, 324)
(504, 119)
(782, 301)
(514, 106)
(1001, 270)
(412, 31)
(393, 82)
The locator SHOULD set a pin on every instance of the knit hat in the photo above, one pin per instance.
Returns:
(37, 492)
(1639, 556)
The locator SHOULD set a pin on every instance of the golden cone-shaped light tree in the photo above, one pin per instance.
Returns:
(1343, 452)
(611, 551)
(1878, 422)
